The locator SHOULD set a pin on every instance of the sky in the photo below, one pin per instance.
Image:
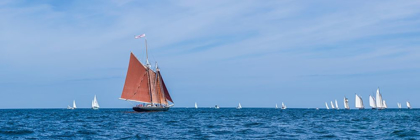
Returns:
(257, 53)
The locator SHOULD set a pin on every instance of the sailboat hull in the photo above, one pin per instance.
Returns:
(150, 109)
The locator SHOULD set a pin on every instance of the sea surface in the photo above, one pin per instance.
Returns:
(208, 123)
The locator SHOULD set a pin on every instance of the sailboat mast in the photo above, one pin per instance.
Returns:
(148, 74)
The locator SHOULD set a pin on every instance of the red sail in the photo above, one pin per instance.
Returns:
(159, 89)
(165, 90)
(155, 96)
(136, 83)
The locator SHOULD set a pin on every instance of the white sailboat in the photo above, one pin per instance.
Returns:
(346, 103)
(239, 106)
(95, 104)
(332, 105)
(195, 105)
(399, 105)
(372, 102)
(336, 105)
(326, 105)
(408, 105)
(359, 102)
(74, 104)
(379, 102)
(384, 103)
(283, 106)
(216, 107)
(277, 106)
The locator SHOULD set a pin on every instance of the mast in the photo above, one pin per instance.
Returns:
(148, 74)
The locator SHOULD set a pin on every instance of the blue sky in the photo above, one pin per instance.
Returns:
(303, 53)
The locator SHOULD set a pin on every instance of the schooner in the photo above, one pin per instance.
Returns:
(145, 85)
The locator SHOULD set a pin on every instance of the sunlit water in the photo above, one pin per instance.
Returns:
(207, 123)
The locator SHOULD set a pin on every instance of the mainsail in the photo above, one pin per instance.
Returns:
(74, 104)
(399, 105)
(384, 103)
(95, 104)
(195, 105)
(359, 102)
(326, 105)
(408, 105)
(142, 84)
(336, 104)
(379, 102)
(346, 103)
(332, 105)
(372, 102)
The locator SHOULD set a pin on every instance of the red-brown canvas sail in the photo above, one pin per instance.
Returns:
(159, 89)
(165, 90)
(155, 96)
(136, 83)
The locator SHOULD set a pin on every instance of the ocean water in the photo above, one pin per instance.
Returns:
(207, 123)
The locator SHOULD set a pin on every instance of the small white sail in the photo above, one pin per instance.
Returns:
(277, 106)
(399, 105)
(336, 104)
(408, 105)
(95, 104)
(283, 106)
(384, 103)
(372, 102)
(68, 107)
(359, 102)
(216, 107)
(379, 102)
(346, 103)
(74, 104)
(332, 105)
(326, 105)
(195, 105)
(239, 106)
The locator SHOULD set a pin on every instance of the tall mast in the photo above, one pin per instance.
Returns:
(148, 74)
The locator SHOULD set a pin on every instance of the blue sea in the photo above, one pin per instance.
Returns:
(207, 123)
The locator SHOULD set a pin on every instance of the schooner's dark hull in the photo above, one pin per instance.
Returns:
(150, 109)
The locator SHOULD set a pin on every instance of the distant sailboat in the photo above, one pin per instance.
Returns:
(68, 107)
(332, 105)
(408, 105)
(195, 105)
(384, 103)
(283, 106)
(336, 105)
(346, 103)
(74, 104)
(95, 104)
(372, 102)
(277, 106)
(359, 102)
(326, 105)
(216, 107)
(239, 106)
(399, 105)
